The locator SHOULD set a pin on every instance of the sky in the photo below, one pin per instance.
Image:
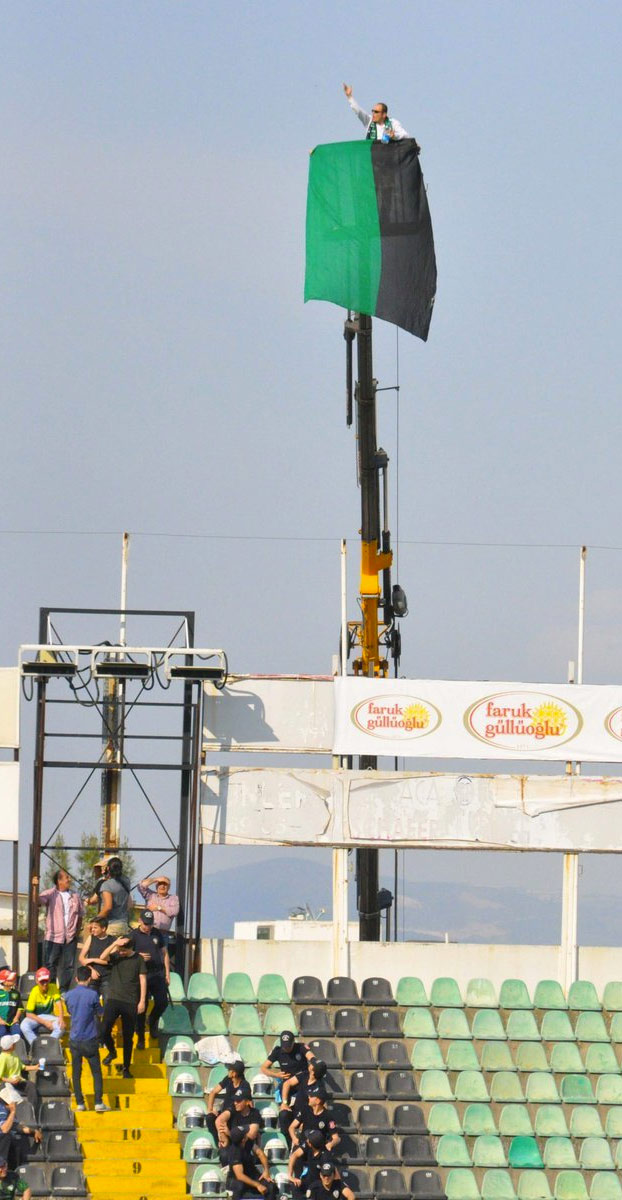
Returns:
(162, 375)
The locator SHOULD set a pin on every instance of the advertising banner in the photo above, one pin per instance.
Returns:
(9, 801)
(9, 707)
(259, 713)
(335, 807)
(432, 718)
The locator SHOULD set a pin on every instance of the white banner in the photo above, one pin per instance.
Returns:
(324, 807)
(9, 707)
(9, 801)
(432, 718)
(258, 713)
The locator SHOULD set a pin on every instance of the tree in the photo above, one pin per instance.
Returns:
(58, 857)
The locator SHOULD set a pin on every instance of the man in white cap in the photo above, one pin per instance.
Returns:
(163, 903)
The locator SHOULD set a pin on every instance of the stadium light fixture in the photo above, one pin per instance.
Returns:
(44, 662)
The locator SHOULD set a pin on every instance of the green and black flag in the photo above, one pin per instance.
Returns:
(370, 246)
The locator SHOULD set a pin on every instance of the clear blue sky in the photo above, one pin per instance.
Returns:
(161, 373)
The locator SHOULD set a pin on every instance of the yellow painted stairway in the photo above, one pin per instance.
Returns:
(132, 1152)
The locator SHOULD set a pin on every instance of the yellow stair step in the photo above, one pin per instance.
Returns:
(131, 1102)
(132, 1168)
(144, 1151)
(87, 1122)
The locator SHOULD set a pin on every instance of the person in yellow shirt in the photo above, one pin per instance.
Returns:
(44, 1009)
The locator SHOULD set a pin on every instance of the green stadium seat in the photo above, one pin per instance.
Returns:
(208, 1182)
(595, 1155)
(514, 1121)
(488, 1151)
(605, 1186)
(559, 1154)
(570, 1185)
(582, 997)
(480, 993)
(426, 1056)
(550, 1121)
(521, 1027)
(615, 1030)
(238, 989)
(548, 994)
(180, 1050)
(524, 1155)
(478, 1119)
(176, 989)
(244, 1021)
(609, 1089)
(601, 1060)
(612, 997)
(514, 995)
(200, 1147)
(577, 1089)
(418, 1023)
(613, 1122)
(585, 1122)
(216, 1075)
(505, 1088)
(471, 1086)
(497, 1185)
(252, 1051)
(410, 993)
(278, 1018)
(590, 1027)
(556, 1027)
(461, 1056)
(541, 1089)
(618, 1157)
(452, 1024)
(445, 993)
(185, 1081)
(191, 1114)
(175, 1019)
(435, 1085)
(461, 1184)
(209, 1021)
(443, 1118)
(533, 1185)
(272, 989)
(566, 1058)
(495, 1056)
(203, 988)
(452, 1151)
(531, 1056)
(487, 1026)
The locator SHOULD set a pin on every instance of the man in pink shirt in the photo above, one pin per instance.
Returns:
(163, 903)
(64, 913)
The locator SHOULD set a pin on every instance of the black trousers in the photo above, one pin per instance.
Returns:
(87, 1048)
(157, 988)
(127, 1012)
(60, 958)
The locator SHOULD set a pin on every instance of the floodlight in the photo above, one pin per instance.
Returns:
(202, 669)
(399, 603)
(45, 662)
(109, 669)
(48, 670)
(197, 672)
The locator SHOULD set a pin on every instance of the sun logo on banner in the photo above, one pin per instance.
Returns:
(416, 716)
(551, 717)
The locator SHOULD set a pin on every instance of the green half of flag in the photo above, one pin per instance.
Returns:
(370, 246)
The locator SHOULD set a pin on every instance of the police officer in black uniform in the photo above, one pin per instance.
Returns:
(243, 1160)
(150, 944)
(328, 1186)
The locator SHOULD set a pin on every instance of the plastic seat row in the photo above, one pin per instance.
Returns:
(451, 1024)
(209, 1020)
(557, 1153)
(515, 1120)
(506, 1088)
(497, 1184)
(388, 1183)
(59, 1181)
(362, 1085)
(563, 1058)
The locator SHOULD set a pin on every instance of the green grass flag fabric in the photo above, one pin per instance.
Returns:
(370, 245)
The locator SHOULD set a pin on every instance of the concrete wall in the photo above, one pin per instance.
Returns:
(428, 960)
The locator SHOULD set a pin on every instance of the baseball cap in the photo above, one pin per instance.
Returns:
(4, 971)
(318, 1090)
(287, 1039)
(243, 1092)
(146, 916)
(42, 975)
(327, 1168)
(10, 977)
(163, 879)
(316, 1139)
(237, 1134)
(8, 1041)
(237, 1065)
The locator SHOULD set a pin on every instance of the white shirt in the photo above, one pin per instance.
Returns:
(65, 899)
(398, 130)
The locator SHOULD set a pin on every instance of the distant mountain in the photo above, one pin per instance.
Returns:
(468, 913)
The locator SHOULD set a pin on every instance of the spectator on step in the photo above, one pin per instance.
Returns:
(64, 912)
(116, 898)
(330, 1183)
(17, 1141)
(12, 1184)
(126, 996)
(163, 903)
(11, 1008)
(96, 942)
(150, 944)
(242, 1160)
(305, 1161)
(224, 1090)
(315, 1115)
(44, 1009)
(84, 1010)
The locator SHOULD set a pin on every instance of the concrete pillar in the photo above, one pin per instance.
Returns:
(570, 908)
(341, 949)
